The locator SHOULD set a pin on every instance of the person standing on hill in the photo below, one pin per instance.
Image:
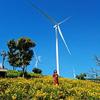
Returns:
(55, 78)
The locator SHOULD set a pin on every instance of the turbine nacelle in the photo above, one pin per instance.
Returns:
(55, 26)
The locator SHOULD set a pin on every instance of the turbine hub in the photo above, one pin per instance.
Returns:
(55, 26)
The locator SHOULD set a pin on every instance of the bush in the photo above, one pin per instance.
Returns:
(37, 70)
(81, 76)
(34, 75)
(13, 73)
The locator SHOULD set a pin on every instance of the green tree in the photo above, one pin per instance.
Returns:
(20, 52)
(81, 76)
(37, 70)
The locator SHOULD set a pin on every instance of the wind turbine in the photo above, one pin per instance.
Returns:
(74, 74)
(57, 30)
(37, 59)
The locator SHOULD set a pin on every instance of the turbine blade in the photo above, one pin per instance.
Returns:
(43, 13)
(39, 58)
(64, 20)
(63, 40)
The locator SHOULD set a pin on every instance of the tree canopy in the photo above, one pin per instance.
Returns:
(20, 52)
(81, 76)
(37, 70)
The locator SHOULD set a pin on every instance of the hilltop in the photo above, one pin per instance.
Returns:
(43, 89)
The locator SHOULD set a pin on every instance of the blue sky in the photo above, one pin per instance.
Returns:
(81, 32)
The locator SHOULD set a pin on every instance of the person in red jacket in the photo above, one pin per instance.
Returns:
(55, 78)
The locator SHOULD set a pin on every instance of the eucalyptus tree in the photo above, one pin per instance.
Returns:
(20, 52)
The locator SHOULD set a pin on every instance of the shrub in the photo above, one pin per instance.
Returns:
(13, 73)
(81, 76)
(37, 70)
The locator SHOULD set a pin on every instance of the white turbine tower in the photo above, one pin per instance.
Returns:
(57, 30)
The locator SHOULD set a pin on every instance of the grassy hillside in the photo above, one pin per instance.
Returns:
(43, 89)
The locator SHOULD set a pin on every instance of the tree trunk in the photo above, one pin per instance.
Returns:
(23, 69)
(14, 68)
(3, 62)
